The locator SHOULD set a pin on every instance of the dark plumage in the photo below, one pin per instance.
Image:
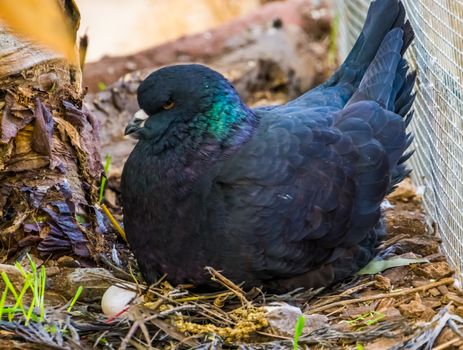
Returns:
(281, 197)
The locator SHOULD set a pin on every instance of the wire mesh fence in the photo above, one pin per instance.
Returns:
(437, 54)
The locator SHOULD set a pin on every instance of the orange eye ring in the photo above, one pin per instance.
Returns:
(168, 105)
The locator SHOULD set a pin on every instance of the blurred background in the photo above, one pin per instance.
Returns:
(271, 51)
(118, 27)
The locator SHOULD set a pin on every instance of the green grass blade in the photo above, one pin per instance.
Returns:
(298, 331)
(21, 269)
(102, 187)
(43, 279)
(2, 301)
(9, 285)
(104, 178)
(29, 312)
(36, 280)
(32, 264)
(74, 299)
(19, 300)
(33, 281)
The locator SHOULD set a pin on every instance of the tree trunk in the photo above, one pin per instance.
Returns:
(49, 157)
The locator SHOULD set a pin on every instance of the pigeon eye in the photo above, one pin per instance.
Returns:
(168, 105)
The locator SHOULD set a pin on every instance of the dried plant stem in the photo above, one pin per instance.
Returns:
(203, 297)
(114, 221)
(447, 344)
(276, 336)
(217, 276)
(129, 335)
(444, 281)
(331, 298)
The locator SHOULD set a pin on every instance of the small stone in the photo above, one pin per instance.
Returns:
(53, 271)
(283, 317)
(382, 282)
(314, 322)
(67, 261)
(95, 280)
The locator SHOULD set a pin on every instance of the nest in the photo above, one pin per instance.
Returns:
(411, 306)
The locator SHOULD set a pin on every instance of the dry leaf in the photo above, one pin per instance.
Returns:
(376, 266)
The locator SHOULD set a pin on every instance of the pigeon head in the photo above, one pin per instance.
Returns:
(189, 104)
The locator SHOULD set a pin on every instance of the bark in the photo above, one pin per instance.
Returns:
(49, 160)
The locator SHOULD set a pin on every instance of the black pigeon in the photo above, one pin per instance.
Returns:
(280, 197)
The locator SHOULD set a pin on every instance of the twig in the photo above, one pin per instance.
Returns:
(218, 277)
(129, 335)
(101, 336)
(176, 309)
(447, 344)
(454, 327)
(168, 312)
(330, 298)
(356, 288)
(444, 281)
(145, 332)
(204, 297)
(276, 336)
(114, 221)
(335, 312)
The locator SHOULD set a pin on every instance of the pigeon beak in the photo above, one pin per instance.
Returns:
(136, 123)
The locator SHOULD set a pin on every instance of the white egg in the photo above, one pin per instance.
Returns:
(116, 299)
